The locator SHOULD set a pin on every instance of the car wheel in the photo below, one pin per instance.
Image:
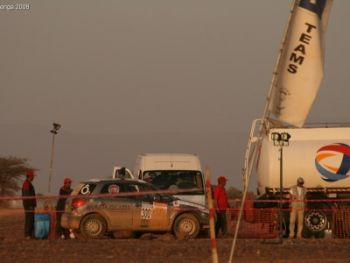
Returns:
(186, 226)
(93, 226)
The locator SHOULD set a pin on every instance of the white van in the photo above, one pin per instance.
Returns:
(178, 173)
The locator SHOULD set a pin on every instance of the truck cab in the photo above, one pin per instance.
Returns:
(178, 174)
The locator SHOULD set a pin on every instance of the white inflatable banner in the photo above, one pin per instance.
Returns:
(300, 69)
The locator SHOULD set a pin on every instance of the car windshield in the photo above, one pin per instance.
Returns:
(134, 188)
(173, 180)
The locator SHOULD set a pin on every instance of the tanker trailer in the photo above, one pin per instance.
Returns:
(321, 155)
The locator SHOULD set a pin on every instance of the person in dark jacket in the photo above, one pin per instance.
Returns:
(65, 190)
(29, 205)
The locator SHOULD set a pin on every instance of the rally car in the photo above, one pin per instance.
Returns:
(98, 207)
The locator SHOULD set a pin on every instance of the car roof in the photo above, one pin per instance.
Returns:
(129, 180)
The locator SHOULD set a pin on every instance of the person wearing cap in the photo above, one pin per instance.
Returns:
(297, 202)
(65, 190)
(220, 197)
(147, 178)
(29, 204)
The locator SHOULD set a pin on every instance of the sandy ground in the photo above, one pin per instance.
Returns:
(14, 248)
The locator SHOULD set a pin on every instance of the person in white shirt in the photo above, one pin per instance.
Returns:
(297, 203)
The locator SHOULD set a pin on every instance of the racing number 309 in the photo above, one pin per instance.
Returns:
(146, 213)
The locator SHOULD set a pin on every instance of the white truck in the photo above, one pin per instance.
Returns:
(179, 174)
(321, 155)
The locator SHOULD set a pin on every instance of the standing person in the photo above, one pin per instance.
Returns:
(29, 205)
(64, 191)
(297, 198)
(221, 205)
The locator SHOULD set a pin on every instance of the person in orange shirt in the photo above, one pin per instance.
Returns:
(221, 200)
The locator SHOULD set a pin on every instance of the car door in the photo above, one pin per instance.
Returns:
(117, 207)
(150, 213)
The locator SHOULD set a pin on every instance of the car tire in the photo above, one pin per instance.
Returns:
(93, 226)
(186, 226)
(315, 221)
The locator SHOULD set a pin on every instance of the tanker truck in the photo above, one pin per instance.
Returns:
(321, 155)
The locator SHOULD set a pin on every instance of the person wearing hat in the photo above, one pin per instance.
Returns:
(297, 202)
(65, 190)
(147, 178)
(29, 204)
(220, 197)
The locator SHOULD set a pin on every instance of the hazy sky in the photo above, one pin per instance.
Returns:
(126, 66)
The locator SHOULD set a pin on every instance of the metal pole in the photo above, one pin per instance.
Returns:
(281, 191)
(51, 161)
(249, 161)
(214, 252)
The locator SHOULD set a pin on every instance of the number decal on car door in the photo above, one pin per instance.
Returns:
(146, 211)
(85, 189)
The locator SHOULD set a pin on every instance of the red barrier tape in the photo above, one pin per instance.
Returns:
(305, 201)
(331, 202)
(48, 197)
(56, 197)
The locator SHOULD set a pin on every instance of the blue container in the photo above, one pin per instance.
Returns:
(41, 226)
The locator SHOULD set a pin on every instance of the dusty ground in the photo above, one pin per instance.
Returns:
(13, 248)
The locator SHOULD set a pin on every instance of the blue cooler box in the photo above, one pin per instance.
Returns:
(41, 226)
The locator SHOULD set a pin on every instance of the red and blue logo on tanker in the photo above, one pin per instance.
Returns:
(333, 162)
